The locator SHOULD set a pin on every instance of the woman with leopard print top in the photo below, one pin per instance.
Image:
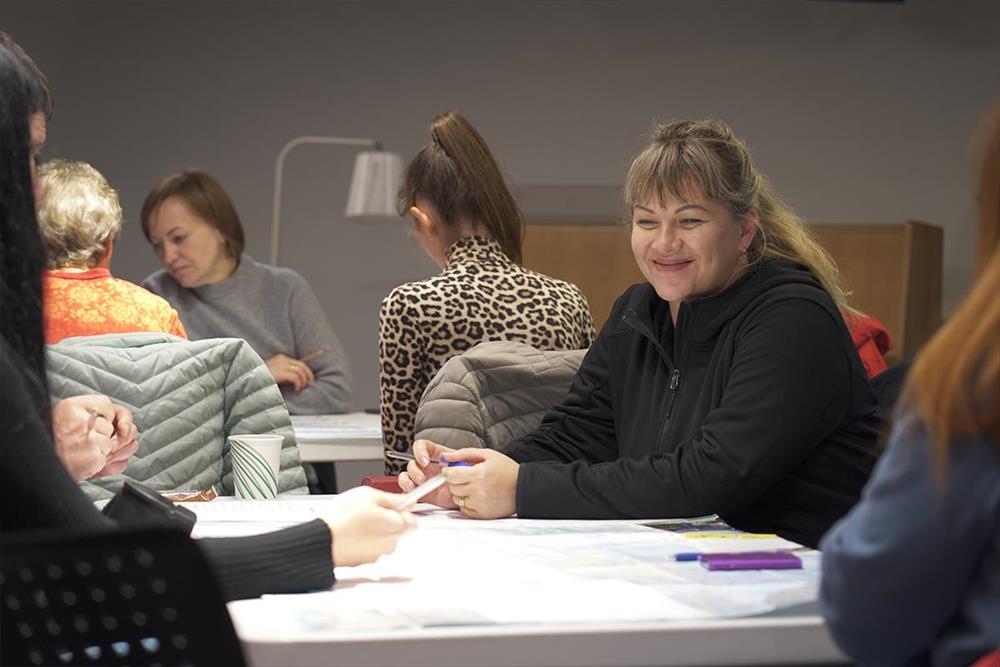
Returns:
(467, 221)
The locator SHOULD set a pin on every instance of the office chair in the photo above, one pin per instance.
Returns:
(186, 398)
(141, 597)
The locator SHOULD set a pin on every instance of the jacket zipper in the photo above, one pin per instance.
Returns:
(675, 382)
(675, 373)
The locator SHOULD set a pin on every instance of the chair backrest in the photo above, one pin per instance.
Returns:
(186, 398)
(494, 393)
(893, 270)
(144, 597)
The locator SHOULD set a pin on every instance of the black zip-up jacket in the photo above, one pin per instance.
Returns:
(755, 407)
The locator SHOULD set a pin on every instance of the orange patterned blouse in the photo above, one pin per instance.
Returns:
(93, 302)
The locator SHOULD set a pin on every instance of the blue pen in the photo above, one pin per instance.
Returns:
(687, 556)
(407, 456)
(428, 486)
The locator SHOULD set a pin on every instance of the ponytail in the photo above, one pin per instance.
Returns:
(458, 175)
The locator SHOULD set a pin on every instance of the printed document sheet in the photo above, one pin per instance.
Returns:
(454, 571)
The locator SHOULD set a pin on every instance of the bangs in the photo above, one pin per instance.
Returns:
(677, 170)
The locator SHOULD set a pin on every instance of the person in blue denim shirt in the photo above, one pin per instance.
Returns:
(911, 576)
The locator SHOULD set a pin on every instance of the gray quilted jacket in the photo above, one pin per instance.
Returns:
(186, 397)
(494, 393)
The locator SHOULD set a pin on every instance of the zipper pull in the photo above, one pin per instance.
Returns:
(675, 381)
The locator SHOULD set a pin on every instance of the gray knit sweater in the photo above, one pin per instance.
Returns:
(276, 312)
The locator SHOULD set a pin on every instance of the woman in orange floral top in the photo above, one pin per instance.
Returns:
(80, 217)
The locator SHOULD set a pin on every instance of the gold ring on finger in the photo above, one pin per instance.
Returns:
(460, 501)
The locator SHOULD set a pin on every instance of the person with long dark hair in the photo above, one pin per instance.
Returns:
(912, 575)
(93, 436)
(467, 221)
(35, 490)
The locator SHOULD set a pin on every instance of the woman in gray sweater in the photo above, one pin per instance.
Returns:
(221, 292)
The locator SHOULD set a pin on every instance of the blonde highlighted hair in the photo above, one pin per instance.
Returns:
(706, 156)
(955, 381)
(78, 214)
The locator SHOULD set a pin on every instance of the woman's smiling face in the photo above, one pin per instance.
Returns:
(689, 247)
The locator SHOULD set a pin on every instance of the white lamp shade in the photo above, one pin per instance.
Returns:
(374, 184)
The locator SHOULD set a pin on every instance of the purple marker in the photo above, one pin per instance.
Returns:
(752, 560)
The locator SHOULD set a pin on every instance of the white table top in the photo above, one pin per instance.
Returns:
(355, 436)
(796, 640)
(461, 592)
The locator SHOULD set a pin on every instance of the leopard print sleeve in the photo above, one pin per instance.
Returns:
(402, 352)
(584, 320)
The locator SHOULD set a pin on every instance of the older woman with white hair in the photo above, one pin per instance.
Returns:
(80, 218)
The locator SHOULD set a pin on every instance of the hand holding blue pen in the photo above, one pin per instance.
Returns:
(483, 488)
(414, 496)
(424, 463)
(483, 484)
(487, 489)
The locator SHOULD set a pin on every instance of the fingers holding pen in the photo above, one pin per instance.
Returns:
(427, 453)
(422, 464)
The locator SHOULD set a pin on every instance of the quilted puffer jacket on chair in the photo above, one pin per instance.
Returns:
(186, 398)
(494, 393)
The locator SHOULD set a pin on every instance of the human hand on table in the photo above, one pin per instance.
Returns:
(424, 466)
(366, 524)
(487, 489)
(288, 370)
(93, 436)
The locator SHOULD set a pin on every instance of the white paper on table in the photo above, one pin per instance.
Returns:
(229, 517)
(455, 571)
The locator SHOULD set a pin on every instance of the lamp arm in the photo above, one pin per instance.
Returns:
(279, 169)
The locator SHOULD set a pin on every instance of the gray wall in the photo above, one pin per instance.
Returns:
(859, 112)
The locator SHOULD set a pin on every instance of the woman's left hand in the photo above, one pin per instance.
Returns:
(488, 488)
(288, 370)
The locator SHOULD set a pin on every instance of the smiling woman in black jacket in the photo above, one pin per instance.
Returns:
(728, 383)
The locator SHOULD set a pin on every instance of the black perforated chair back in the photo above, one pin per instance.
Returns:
(143, 597)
